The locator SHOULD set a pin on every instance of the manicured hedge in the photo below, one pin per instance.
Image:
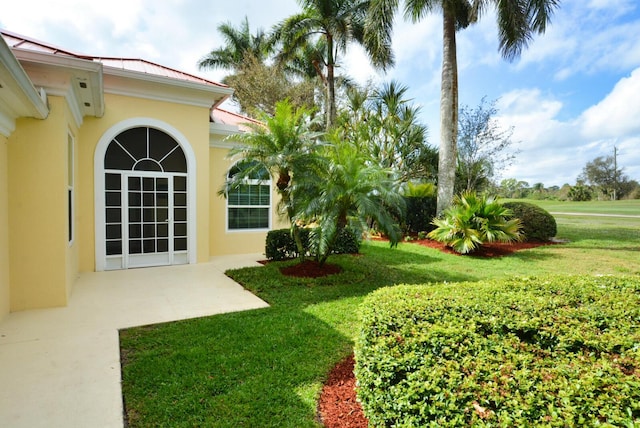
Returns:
(280, 245)
(420, 213)
(537, 223)
(554, 351)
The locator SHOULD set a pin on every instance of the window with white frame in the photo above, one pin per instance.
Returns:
(248, 199)
(70, 185)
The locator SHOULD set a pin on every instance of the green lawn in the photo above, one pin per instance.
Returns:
(265, 368)
(626, 207)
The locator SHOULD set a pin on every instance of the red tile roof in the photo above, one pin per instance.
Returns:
(230, 118)
(18, 41)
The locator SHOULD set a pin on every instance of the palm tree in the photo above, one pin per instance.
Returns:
(385, 124)
(351, 191)
(518, 21)
(239, 44)
(285, 145)
(338, 23)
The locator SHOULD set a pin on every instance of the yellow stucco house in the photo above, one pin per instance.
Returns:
(112, 163)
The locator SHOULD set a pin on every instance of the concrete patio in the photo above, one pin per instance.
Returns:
(61, 367)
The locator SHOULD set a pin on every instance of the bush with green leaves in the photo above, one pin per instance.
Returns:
(473, 220)
(537, 223)
(280, 244)
(551, 351)
(420, 213)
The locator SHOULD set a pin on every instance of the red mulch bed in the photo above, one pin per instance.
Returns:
(494, 249)
(338, 407)
(310, 269)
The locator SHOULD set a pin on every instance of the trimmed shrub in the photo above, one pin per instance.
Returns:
(420, 213)
(551, 351)
(537, 223)
(280, 244)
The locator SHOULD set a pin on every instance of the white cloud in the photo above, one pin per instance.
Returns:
(587, 39)
(548, 148)
(616, 115)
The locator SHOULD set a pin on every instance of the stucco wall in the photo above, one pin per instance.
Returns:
(38, 244)
(224, 242)
(73, 247)
(191, 121)
(4, 231)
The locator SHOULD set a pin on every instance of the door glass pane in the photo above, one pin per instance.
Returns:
(149, 230)
(180, 214)
(112, 199)
(180, 199)
(163, 230)
(114, 215)
(114, 231)
(180, 244)
(148, 184)
(149, 245)
(134, 183)
(135, 215)
(135, 199)
(163, 245)
(180, 229)
(180, 184)
(135, 231)
(148, 199)
(114, 248)
(135, 246)
(112, 181)
(149, 214)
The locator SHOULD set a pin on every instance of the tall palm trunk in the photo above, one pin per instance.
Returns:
(331, 85)
(448, 113)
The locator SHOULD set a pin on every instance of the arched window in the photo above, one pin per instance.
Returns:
(249, 201)
(146, 203)
(145, 149)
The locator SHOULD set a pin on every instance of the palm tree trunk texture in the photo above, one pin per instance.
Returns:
(331, 85)
(448, 114)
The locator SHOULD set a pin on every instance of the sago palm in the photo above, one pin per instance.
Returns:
(473, 220)
(517, 20)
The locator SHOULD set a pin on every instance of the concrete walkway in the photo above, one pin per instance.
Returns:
(61, 367)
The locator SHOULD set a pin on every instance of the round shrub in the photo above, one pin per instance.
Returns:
(551, 351)
(537, 223)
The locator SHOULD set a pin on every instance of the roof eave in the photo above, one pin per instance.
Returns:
(85, 89)
(24, 100)
(167, 88)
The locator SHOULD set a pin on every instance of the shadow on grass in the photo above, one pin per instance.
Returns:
(264, 367)
(361, 274)
(258, 368)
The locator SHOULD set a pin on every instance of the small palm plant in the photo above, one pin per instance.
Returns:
(350, 191)
(473, 220)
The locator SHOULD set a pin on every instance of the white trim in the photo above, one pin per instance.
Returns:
(35, 104)
(98, 170)
(159, 88)
(71, 187)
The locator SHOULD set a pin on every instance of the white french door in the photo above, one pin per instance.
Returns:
(146, 215)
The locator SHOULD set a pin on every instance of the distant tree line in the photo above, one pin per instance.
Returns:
(601, 179)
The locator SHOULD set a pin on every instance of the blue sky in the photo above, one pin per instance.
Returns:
(571, 96)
